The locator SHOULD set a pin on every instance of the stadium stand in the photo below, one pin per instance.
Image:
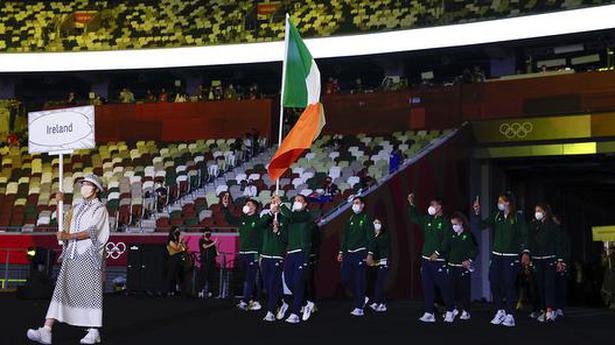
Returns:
(153, 186)
(103, 25)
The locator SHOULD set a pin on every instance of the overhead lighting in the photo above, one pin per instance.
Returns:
(523, 27)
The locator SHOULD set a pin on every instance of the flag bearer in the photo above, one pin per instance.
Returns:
(509, 232)
(462, 250)
(272, 257)
(250, 237)
(434, 270)
(300, 225)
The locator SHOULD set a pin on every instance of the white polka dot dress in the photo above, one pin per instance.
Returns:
(78, 296)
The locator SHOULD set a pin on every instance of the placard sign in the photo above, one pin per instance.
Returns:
(61, 130)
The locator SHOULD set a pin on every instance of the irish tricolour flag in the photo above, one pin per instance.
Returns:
(300, 89)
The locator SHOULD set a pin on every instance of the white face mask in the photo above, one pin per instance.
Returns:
(377, 226)
(501, 206)
(539, 215)
(87, 191)
(297, 206)
(356, 208)
(245, 209)
(458, 228)
(431, 210)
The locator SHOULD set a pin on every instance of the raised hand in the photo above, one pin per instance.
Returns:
(476, 206)
(411, 199)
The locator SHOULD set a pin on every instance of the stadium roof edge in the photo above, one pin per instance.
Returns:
(523, 27)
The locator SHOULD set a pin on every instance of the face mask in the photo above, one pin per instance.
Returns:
(87, 191)
(356, 208)
(431, 210)
(245, 209)
(501, 206)
(377, 226)
(458, 228)
(539, 215)
(297, 206)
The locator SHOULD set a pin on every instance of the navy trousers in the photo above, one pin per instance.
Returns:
(271, 270)
(354, 275)
(295, 272)
(249, 266)
(544, 276)
(460, 287)
(381, 275)
(561, 289)
(434, 274)
(503, 272)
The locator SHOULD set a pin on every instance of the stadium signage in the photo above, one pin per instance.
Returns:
(59, 130)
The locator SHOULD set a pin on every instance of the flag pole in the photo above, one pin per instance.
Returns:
(281, 125)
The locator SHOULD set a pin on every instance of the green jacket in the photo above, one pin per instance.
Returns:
(546, 239)
(250, 231)
(381, 247)
(300, 227)
(358, 233)
(274, 244)
(461, 247)
(434, 231)
(509, 234)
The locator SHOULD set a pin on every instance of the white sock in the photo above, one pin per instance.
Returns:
(47, 328)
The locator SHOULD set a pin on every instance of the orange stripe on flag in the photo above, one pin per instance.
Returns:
(300, 138)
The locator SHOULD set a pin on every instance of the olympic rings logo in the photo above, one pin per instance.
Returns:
(518, 130)
(115, 250)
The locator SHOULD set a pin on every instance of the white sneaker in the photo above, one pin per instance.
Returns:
(455, 313)
(357, 312)
(41, 335)
(465, 315)
(293, 318)
(534, 315)
(201, 294)
(382, 308)
(308, 310)
(449, 317)
(269, 317)
(282, 311)
(541, 317)
(559, 312)
(374, 306)
(242, 306)
(428, 317)
(499, 317)
(254, 305)
(93, 337)
(509, 321)
(551, 316)
(365, 301)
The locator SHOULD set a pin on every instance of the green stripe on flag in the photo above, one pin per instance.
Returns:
(298, 64)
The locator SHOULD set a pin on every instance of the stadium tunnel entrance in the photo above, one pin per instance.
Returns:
(567, 162)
